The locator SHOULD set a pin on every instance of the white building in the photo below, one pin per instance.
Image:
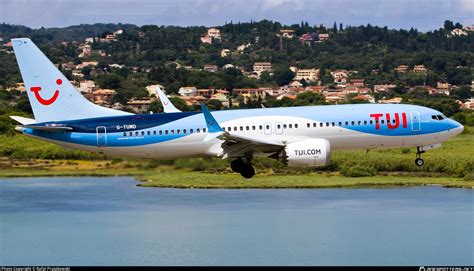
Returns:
(309, 75)
(86, 86)
(458, 32)
(260, 67)
(287, 33)
(242, 47)
(187, 91)
(214, 32)
(152, 89)
(225, 52)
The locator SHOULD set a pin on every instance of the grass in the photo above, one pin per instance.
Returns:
(187, 179)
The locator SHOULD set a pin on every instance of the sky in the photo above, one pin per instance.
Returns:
(425, 15)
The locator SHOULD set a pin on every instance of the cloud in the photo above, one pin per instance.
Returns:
(467, 6)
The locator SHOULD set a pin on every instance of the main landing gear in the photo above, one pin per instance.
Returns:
(243, 166)
(418, 161)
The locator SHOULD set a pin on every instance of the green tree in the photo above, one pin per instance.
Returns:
(282, 75)
(180, 104)
(309, 98)
(448, 25)
(110, 81)
(464, 92)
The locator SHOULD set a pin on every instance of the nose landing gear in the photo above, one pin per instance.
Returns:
(419, 161)
(244, 167)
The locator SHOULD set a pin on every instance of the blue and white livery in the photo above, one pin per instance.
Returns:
(298, 136)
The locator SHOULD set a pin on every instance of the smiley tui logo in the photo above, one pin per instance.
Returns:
(49, 101)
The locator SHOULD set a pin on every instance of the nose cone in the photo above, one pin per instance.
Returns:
(456, 128)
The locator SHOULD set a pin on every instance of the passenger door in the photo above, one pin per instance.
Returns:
(415, 121)
(101, 136)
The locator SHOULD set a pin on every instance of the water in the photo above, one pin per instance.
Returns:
(110, 221)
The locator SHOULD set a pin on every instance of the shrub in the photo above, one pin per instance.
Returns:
(358, 171)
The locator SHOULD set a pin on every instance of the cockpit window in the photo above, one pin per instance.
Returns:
(434, 117)
(438, 117)
(441, 117)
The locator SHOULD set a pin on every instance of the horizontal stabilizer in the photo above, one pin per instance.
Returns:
(23, 120)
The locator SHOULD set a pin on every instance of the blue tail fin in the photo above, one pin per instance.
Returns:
(52, 96)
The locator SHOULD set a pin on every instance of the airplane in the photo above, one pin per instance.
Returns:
(298, 136)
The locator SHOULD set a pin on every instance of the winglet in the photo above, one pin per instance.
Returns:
(213, 127)
(168, 107)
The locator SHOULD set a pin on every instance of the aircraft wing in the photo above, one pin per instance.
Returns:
(168, 107)
(237, 145)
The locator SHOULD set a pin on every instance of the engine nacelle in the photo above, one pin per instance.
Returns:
(306, 153)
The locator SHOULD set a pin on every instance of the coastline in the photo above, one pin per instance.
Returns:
(168, 177)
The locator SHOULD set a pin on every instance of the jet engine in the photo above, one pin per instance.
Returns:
(306, 153)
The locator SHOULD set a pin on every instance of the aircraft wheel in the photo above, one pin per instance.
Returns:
(237, 165)
(247, 171)
(419, 162)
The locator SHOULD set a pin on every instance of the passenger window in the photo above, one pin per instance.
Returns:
(365, 122)
(308, 125)
(296, 125)
(177, 131)
(383, 121)
(340, 123)
(284, 126)
(260, 127)
(278, 126)
(198, 130)
(352, 122)
(290, 126)
(327, 124)
(241, 128)
(136, 133)
(166, 132)
(148, 133)
(235, 128)
(154, 132)
(314, 124)
(143, 133)
(161, 132)
(203, 130)
(124, 133)
(184, 131)
(130, 134)
(247, 128)
(320, 124)
(268, 127)
(333, 124)
(253, 127)
(347, 123)
(172, 132)
(371, 122)
(191, 131)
